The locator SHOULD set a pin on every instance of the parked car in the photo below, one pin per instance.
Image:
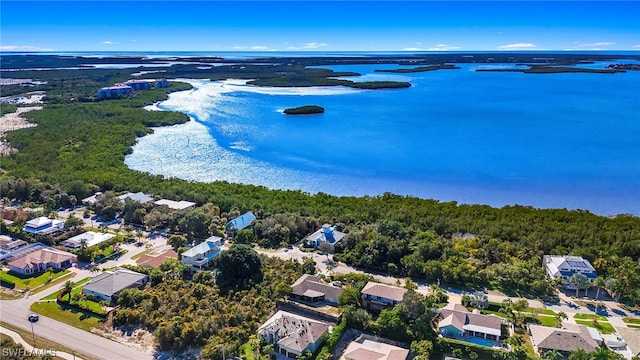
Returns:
(34, 317)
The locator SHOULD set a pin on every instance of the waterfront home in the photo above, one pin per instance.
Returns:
(455, 321)
(38, 258)
(200, 256)
(327, 234)
(564, 267)
(310, 289)
(109, 284)
(114, 91)
(565, 340)
(91, 237)
(367, 347)
(140, 197)
(377, 297)
(176, 205)
(293, 334)
(43, 226)
(239, 223)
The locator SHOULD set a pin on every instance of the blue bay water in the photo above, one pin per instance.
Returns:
(497, 138)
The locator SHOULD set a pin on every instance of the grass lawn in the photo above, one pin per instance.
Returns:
(634, 326)
(43, 343)
(542, 320)
(541, 311)
(77, 318)
(76, 289)
(602, 326)
(589, 317)
(55, 282)
(32, 281)
(629, 320)
(7, 296)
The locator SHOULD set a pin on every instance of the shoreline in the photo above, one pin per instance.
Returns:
(11, 122)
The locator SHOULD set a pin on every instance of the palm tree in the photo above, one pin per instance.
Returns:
(552, 355)
(83, 244)
(600, 354)
(561, 316)
(67, 287)
(480, 300)
(579, 281)
(579, 354)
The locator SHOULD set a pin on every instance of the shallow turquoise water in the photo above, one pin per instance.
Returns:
(556, 140)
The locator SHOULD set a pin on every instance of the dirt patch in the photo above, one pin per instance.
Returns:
(132, 336)
(11, 122)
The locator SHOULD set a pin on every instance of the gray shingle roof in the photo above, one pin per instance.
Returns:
(110, 283)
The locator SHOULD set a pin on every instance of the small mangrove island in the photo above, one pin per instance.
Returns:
(420, 69)
(554, 70)
(305, 110)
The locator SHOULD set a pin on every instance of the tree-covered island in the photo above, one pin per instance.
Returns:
(420, 69)
(305, 110)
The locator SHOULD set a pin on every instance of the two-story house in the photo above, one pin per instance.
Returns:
(564, 267)
(200, 256)
(377, 297)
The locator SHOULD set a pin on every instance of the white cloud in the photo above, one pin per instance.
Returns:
(313, 45)
(597, 44)
(518, 46)
(259, 47)
(412, 49)
(636, 47)
(108, 42)
(443, 47)
(22, 48)
(240, 47)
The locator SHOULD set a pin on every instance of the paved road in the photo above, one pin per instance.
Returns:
(15, 312)
(29, 349)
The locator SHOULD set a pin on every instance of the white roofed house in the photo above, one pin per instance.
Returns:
(563, 267)
(43, 226)
(92, 238)
(369, 349)
(327, 234)
(293, 334)
(176, 205)
(200, 256)
(377, 297)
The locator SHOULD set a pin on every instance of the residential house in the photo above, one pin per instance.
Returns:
(9, 244)
(310, 289)
(39, 258)
(377, 297)
(88, 201)
(200, 256)
(631, 337)
(92, 238)
(240, 223)
(455, 321)
(140, 197)
(176, 205)
(368, 348)
(154, 261)
(327, 234)
(293, 334)
(109, 284)
(564, 267)
(161, 83)
(564, 340)
(43, 226)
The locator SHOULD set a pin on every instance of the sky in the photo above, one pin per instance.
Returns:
(318, 26)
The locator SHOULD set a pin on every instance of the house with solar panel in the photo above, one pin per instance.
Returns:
(564, 267)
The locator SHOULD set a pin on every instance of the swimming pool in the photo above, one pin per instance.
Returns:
(479, 341)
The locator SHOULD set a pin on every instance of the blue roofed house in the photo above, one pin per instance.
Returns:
(200, 256)
(239, 223)
(327, 233)
(563, 267)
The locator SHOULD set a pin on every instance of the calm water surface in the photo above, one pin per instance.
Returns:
(556, 140)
